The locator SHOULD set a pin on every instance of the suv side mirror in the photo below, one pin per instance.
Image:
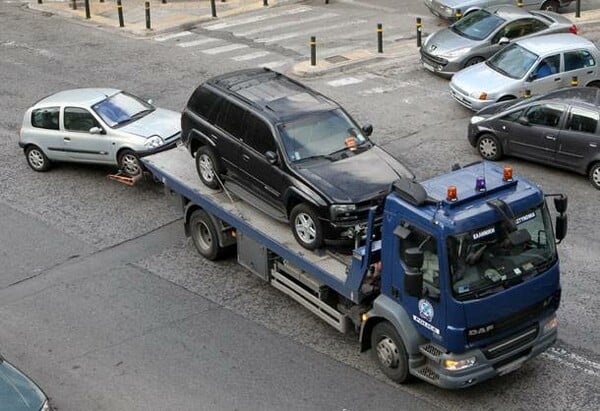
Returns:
(367, 129)
(271, 157)
(96, 130)
(523, 121)
(413, 276)
(503, 41)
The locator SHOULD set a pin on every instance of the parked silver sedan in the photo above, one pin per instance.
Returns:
(537, 64)
(477, 36)
(448, 9)
(96, 125)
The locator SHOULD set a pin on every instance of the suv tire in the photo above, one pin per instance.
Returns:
(306, 226)
(208, 167)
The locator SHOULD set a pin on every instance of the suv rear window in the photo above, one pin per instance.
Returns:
(45, 118)
(203, 101)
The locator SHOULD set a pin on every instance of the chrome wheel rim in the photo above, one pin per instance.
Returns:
(130, 164)
(388, 353)
(488, 148)
(596, 176)
(202, 236)
(36, 159)
(305, 228)
(206, 168)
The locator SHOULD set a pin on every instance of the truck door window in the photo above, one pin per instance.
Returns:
(427, 243)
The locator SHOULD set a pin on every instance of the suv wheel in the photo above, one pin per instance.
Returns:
(208, 167)
(306, 226)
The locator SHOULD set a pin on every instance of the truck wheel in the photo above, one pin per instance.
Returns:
(489, 147)
(208, 167)
(36, 159)
(129, 163)
(306, 226)
(388, 351)
(204, 235)
(594, 175)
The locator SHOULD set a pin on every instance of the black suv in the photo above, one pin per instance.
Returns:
(289, 151)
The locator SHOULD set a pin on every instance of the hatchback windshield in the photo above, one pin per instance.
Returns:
(485, 261)
(514, 61)
(121, 108)
(320, 135)
(477, 25)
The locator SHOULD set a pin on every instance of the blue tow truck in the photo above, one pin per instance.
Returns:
(461, 284)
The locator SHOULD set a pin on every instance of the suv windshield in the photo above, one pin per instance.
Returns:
(484, 261)
(477, 25)
(320, 135)
(121, 108)
(513, 61)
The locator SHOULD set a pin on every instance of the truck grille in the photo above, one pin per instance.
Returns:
(511, 343)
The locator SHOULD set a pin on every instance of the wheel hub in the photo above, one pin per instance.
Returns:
(203, 237)
(487, 148)
(305, 227)
(130, 164)
(388, 353)
(36, 159)
(206, 168)
(596, 176)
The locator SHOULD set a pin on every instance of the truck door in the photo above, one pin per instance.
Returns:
(428, 311)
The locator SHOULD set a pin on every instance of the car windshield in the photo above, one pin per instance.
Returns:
(513, 61)
(486, 260)
(322, 134)
(477, 25)
(121, 108)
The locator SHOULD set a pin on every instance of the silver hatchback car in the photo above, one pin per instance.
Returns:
(447, 9)
(96, 125)
(538, 64)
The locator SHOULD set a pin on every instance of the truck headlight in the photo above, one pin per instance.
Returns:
(153, 142)
(337, 209)
(550, 325)
(456, 365)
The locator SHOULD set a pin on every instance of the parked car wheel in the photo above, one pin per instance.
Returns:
(306, 226)
(204, 235)
(474, 60)
(389, 352)
(208, 167)
(129, 163)
(594, 175)
(36, 159)
(594, 84)
(489, 147)
(551, 5)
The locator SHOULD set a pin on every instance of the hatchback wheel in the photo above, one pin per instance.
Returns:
(551, 5)
(208, 167)
(489, 147)
(594, 175)
(306, 226)
(129, 163)
(473, 61)
(36, 159)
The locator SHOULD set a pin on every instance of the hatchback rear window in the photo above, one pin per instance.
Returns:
(45, 118)
(583, 120)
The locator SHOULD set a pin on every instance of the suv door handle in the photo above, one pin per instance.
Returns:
(549, 137)
(245, 157)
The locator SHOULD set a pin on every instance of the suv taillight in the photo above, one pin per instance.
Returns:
(573, 29)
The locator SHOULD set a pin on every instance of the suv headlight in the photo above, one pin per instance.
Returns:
(337, 209)
(456, 365)
(153, 142)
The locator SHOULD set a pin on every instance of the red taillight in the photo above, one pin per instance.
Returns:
(573, 29)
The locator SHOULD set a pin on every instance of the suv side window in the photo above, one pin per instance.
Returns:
(578, 59)
(79, 119)
(233, 120)
(45, 118)
(203, 101)
(583, 120)
(427, 243)
(258, 135)
(545, 114)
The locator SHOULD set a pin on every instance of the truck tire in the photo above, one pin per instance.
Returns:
(204, 235)
(306, 226)
(389, 353)
(208, 167)
(36, 159)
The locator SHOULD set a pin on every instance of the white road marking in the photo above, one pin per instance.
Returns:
(257, 18)
(250, 56)
(287, 36)
(285, 24)
(273, 64)
(344, 81)
(172, 36)
(574, 361)
(195, 43)
(224, 49)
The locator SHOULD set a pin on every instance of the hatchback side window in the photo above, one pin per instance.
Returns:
(233, 122)
(545, 114)
(583, 120)
(514, 116)
(258, 135)
(548, 66)
(578, 59)
(45, 118)
(79, 119)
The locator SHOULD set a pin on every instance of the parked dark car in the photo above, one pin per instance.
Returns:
(289, 151)
(559, 129)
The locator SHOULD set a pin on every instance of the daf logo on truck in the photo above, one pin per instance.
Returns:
(481, 330)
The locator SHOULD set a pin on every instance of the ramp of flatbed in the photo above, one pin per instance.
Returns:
(177, 170)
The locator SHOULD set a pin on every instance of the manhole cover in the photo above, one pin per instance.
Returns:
(336, 59)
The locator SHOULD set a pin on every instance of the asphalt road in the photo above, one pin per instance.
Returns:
(107, 306)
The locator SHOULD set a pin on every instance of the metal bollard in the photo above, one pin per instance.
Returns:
(519, 3)
(419, 28)
(213, 8)
(527, 93)
(379, 38)
(313, 51)
(39, 1)
(458, 14)
(101, 1)
(578, 8)
(87, 9)
(147, 7)
(74, 4)
(265, 3)
(574, 81)
(120, 11)
(163, 1)
(326, 1)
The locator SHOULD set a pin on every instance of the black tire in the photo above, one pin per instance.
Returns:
(36, 159)
(594, 175)
(208, 167)
(388, 351)
(551, 5)
(594, 84)
(489, 147)
(204, 235)
(474, 60)
(306, 226)
(129, 163)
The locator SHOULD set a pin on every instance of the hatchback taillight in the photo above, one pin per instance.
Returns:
(573, 29)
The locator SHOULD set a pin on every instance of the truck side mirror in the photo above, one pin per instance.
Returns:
(561, 227)
(271, 157)
(413, 276)
(560, 203)
(367, 129)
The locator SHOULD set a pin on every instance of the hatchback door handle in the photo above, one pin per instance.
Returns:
(67, 138)
(245, 157)
(550, 138)
(590, 72)
(557, 79)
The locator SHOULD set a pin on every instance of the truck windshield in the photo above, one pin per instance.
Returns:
(485, 261)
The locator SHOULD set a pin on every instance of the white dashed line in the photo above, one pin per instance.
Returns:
(285, 24)
(224, 49)
(195, 43)
(286, 36)
(172, 36)
(250, 56)
(273, 64)
(255, 19)
(344, 81)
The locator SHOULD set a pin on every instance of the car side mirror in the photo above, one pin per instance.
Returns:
(367, 129)
(523, 121)
(560, 203)
(271, 157)
(150, 101)
(96, 130)
(561, 227)
(503, 41)
(413, 276)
